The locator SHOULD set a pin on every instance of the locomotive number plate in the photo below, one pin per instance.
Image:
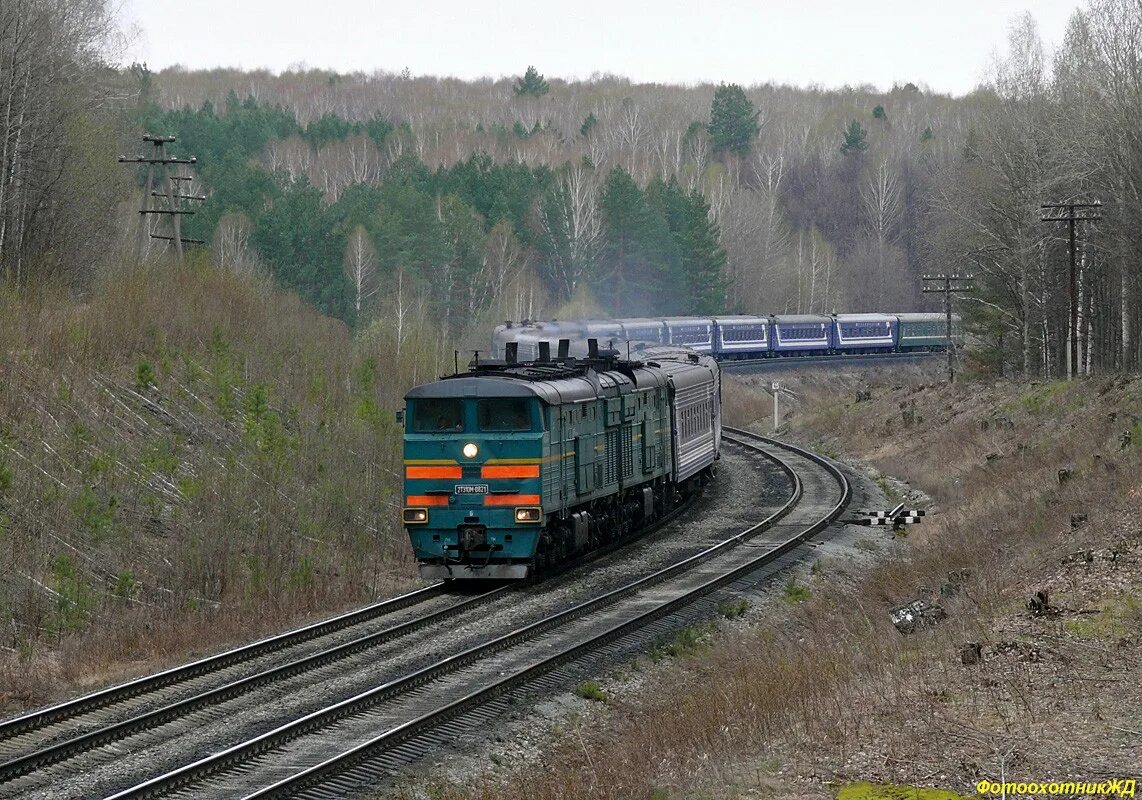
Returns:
(472, 488)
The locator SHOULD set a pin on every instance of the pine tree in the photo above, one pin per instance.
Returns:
(532, 83)
(696, 284)
(879, 113)
(733, 120)
(640, 255)
(588, 124)
(854, 139)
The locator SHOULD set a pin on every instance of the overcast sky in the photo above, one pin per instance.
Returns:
(946, 45)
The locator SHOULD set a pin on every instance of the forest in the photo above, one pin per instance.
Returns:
(379, 195)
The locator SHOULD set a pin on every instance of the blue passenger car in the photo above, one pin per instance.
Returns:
(693, 332)
(801, 334)
(644, 330)
(605, 331)
(741, 336)
(865, 333)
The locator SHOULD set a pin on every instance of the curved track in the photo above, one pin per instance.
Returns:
(748, 365)
(324, 749)
(348, 741)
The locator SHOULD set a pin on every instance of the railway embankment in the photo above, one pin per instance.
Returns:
(189, 459)
(1031, 550)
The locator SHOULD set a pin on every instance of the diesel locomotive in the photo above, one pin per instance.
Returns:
(514, 465)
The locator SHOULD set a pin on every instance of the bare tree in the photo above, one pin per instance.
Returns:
(52, 97)
(231, 243)
(361, 268)
(503, 259)
(881, 197)
(572, 220)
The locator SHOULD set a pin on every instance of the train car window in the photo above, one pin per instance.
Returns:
(503, 414)
(433, 414)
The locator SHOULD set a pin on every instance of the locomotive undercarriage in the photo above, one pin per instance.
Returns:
(611, 519)
(571, 533)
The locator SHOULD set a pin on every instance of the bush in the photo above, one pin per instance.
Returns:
(591, 690)
(730, 609)
(796, 592)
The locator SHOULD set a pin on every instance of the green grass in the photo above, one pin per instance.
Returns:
(887, 488)
(796, 592)
(889, 791)
(690, 639)
(1038, 398)
(591, 690)
(1119, 616)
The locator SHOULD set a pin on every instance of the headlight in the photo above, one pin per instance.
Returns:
(415, 516)
(470, 450)
(528, 515)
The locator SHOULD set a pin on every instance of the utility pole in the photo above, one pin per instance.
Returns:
(1072, 214)
(952, 283)
(172, 193)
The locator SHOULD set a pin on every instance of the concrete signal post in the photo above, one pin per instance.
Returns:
(776, 389)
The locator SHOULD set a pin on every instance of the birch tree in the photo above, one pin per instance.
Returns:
(572, 227)
(881, 197)
(52, 53)
(361, 269)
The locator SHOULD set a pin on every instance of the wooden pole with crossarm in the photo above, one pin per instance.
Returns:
(951, 283)
(1072, 214)
(171, 192)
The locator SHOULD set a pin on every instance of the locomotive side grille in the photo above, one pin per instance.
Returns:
(612, 459)
(628, 451)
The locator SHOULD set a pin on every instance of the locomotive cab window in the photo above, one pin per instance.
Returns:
(433, 415)
(504, 414)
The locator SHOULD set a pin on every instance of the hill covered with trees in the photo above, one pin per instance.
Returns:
(384, 195)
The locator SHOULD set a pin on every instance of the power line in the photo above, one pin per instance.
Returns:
(172, 210)
(952, 283)
(1072, 214)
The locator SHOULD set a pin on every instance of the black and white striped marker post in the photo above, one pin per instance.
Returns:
(897, 516)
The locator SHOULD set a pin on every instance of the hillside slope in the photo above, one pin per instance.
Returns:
(187, 457)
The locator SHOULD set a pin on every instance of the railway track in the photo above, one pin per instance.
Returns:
(356, 739)
(777, 364)
(43, 737)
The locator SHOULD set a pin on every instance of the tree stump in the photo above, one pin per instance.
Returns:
(971, 653)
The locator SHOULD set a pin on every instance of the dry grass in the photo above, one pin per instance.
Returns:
(827, 692)
(744, 404)
(187, 458)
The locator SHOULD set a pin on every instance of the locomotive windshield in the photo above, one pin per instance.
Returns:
(438, 414)
(504, 414)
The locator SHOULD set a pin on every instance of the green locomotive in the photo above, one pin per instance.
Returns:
(511, 467)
